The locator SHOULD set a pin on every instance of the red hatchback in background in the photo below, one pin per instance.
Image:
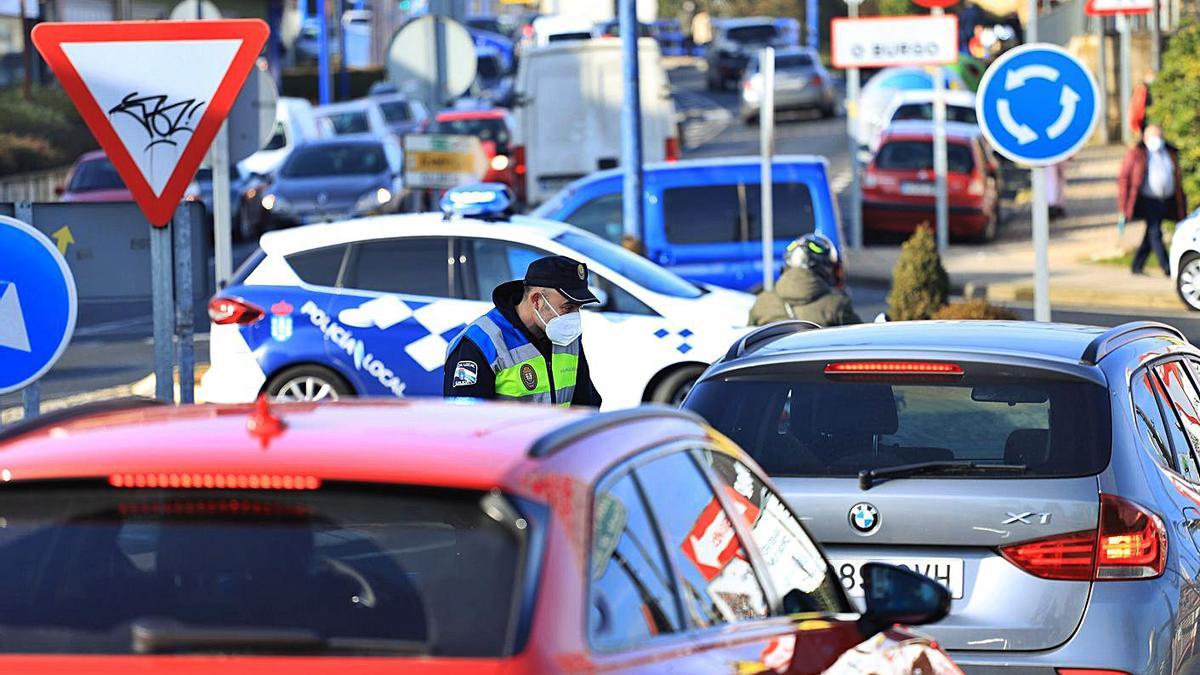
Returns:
(93, 178)
(420, 537)
(493, 126)
(899, 182)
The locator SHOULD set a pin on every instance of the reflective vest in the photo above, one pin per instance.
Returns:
(519, 366)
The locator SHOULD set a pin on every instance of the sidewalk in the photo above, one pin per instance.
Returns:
(1002, 271)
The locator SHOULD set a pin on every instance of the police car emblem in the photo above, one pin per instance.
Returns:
(582, 273)
(281, 321)
(528, 377)
(864, 517)
(466, 373)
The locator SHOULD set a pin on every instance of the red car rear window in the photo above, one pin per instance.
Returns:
(918, 156)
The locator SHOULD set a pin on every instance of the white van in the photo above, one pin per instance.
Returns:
(295, 124)
(562, 137)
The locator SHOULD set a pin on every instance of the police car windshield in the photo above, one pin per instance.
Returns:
(632, 266)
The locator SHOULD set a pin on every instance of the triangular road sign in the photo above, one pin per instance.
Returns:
(12, 322)
(1114, 7)
(153, 93)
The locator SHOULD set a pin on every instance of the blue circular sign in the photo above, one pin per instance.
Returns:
(1037, 104)
(37, 304)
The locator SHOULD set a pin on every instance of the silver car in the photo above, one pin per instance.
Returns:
(801, 83)
(1046, 474)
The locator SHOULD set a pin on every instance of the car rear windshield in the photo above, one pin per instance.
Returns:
(336, 160)
(793, 62)
(918, 155)
(722, 214)
(760, 33)
(96, 174)
(810, 425)
(494, 130)
(924, 111)
(337, 570)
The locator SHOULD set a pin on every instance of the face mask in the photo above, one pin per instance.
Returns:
(563, 329)
(1153, 143)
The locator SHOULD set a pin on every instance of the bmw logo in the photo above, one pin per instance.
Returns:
(864, 518)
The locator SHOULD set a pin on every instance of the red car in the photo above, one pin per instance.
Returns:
(493, 127)
(898, 185)
(93, 178)
(419, 537)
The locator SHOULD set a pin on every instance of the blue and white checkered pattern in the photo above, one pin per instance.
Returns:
(680, 336)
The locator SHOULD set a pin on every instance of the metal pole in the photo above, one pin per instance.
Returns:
(183, 303)
(1156, 37)
(1126, 85)
(1041, 241)
(1102, 67)
(161, 272)
(851, 104)
(222, 220)
(631, 125)
(941, 203)
(812, 12)
(31, 398)
(766, 125)
(343, 73)
(323, 81)
(1031, 27)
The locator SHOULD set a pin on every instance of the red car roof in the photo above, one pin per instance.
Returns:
(457, 115)
(921, 135)
(466, 445)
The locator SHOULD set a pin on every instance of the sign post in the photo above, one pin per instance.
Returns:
(1037, 105)
(38, 307)
(766, 123)
(852, 96)
(941, 200)
(1122, 9)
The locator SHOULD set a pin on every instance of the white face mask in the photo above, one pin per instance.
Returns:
(563, 329)
(1153, 143)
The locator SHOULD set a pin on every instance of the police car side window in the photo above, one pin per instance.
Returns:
(619, 300)
(319, 267)
(410, 265)
(632, 595)
(603, 216)
(493, 262)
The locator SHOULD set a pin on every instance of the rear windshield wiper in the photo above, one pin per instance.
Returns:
(158, 637)
(868, 477)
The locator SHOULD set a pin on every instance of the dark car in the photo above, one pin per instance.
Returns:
(734, 42)
(334, 179)
(1047, 474)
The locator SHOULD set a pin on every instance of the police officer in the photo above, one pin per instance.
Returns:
(528, 347)
(807, 288)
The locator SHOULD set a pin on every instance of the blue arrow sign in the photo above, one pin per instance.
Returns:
(1037, 104)
(37, 304)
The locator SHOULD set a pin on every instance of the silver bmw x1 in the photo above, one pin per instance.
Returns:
(1046, 474)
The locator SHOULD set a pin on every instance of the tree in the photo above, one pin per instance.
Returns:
(920, 285)
(1176, 103)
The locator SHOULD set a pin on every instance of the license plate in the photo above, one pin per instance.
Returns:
(918, 189)
(946, 571)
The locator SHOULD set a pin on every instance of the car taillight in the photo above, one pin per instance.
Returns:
(893, 368)
(1130, 543)
(225, 311)
(817, 81)
(672, 149)
(518, 160)
(214, 481)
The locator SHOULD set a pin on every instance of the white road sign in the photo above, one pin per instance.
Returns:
(1114, 7)
(879, 42)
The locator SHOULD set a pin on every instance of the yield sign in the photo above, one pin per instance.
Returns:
(1114, 7)
(153, 93)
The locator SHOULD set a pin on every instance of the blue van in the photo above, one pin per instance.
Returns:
(702, 216)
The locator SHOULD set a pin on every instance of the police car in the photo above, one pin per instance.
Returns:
(368, 307)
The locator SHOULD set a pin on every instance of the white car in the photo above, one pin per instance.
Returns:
(368, 308)
(359, 116)
(917, 104)
(1185, 260)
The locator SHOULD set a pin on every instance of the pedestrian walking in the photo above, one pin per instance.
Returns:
(1140, 102)
(528, 347)
(1150, 188)
(1056, 189)
(807, 288)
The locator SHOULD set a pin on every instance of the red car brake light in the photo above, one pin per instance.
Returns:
(1089, 671)
(214, 481)
(1131, 543)
(672, 149)
(225, 311)
(893, 368)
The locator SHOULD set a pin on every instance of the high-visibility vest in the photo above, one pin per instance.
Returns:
(519, 366)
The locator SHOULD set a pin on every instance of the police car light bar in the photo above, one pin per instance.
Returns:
(478, 200)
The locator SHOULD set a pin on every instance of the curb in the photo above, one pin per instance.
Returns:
(143, 388)
(1090, 298)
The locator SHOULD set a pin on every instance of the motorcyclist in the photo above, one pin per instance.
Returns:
(807, 289)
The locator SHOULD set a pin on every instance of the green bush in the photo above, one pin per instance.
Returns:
(44, 133)
(920, 285)
(1176, 95)
(974, 309)
(17, 153)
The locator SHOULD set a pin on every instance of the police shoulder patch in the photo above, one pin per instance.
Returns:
(466, 373)
(529, 377)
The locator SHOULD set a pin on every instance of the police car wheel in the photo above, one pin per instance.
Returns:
(675, 386)
(1187, 281)
(307, 383)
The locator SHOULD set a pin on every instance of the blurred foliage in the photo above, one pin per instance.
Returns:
(920, 285)
(974, 309)
(45, 133)
(1176, 103)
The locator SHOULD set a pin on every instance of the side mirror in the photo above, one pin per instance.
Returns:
(896, 595)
